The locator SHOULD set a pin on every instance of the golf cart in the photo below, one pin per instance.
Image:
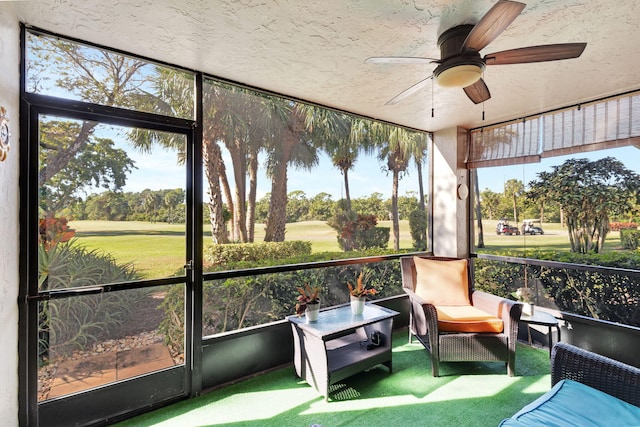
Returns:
(529, 227)
(503, 227)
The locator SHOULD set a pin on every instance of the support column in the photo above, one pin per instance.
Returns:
(449, 193)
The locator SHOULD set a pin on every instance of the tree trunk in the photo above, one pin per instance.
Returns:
(394, 211)
(277, 217)
(476, 196)
(238, 221)
(226, 188)
(251, 203)
(421, 187)
(347, 195)
(422, 202)
(211, 158)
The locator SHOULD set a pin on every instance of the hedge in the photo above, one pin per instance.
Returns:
(612, 297)
(236, 303)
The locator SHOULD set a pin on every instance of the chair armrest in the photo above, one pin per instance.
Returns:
(425, 315)
(507, 310)
(503, 308)
(413, 297)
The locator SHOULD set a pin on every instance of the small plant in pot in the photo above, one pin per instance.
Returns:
(359, 294)
(308, 301)
(526, 296)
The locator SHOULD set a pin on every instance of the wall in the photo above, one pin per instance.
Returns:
(9, 203)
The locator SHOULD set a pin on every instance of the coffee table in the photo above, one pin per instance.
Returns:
(339, 344)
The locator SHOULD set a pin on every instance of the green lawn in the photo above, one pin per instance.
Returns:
(155, 249)
(158, 249)
(555, 237)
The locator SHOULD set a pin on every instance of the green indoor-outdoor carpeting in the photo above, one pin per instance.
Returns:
(466, 394)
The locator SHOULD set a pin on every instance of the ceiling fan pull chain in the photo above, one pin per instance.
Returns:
(432, 109)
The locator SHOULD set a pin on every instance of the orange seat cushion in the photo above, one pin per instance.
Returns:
(467, 318)
(441, 282)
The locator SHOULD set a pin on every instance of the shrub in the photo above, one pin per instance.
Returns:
(630, 238)
(357, 231)
(376, 237)
(617, 226)
(52, 231)
(225, 254)
(418, 227)
(74, 323)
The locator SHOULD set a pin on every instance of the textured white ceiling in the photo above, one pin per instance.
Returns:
(314, 49)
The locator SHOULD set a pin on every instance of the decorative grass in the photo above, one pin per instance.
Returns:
(467, 394)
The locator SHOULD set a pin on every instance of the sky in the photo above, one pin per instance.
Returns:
(494, 178)
(160, 170)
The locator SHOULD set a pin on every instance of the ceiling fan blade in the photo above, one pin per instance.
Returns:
(492, 24)
(478, 92)
(524, 55)
(410, 91)
(400, 60)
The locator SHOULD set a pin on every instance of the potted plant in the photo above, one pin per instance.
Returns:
(526, 296)
(308, 302)
(359, 295)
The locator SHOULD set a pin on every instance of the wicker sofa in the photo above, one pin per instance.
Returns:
(588, 389)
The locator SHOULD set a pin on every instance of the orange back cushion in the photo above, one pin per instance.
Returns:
(442, 282)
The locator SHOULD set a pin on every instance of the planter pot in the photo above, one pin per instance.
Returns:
(357, 305)
(527, 308)
(312, 312)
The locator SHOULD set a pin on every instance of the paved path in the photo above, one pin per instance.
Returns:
(80, 374)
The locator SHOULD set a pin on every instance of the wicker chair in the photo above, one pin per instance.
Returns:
(467, 345)
(603, 373)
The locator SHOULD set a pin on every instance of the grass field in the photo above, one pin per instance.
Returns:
(555, 237)
(158, 249)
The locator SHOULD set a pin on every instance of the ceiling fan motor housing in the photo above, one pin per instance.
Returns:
(458, 68)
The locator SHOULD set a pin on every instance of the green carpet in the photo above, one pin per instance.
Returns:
(466, 394)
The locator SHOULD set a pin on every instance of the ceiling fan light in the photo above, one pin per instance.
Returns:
(459, 76)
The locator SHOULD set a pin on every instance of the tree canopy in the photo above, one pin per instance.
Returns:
(589, 193)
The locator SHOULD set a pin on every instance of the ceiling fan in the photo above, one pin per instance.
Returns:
(460, 63)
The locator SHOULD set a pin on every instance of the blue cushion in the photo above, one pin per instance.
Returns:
(570, 403)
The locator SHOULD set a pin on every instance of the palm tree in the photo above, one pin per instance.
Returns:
(514, 188)
(235, 118)
(238, 106)
(343, 137)
(215, 106)
(395, 148)
(419, 154)
(291, 144)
